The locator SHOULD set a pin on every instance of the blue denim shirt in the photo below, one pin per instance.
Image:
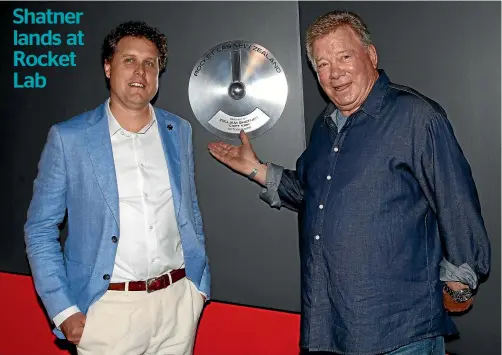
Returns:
(381, 203)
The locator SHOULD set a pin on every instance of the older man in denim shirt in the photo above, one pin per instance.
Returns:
(391, 229)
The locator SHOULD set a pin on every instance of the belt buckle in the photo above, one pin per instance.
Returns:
(148, 283)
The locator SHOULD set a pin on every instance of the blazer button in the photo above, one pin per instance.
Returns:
(106, 277)
(114, 239)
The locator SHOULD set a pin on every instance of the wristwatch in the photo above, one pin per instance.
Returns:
(460, 296)
(253, 173)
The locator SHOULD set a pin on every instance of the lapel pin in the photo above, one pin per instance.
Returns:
(169, 127)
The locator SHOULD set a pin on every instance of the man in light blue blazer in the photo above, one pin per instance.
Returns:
(133, 275)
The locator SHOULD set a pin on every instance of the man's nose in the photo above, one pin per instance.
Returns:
(336, 71)
(140, 69)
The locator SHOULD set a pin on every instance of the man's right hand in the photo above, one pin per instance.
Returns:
(73, 327)
(241, 158)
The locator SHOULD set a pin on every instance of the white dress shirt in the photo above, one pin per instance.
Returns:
(149, 243)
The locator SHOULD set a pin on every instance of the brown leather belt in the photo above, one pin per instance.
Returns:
(154, 284)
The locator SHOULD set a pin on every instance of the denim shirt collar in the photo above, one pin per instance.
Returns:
(373, 103)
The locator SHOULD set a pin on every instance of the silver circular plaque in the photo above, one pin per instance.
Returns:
(238, 85)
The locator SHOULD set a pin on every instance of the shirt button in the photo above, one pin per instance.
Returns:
(328, 177)
(154, 260)
(106, 277)
(146, 195)
(321, 207)
(317, 237)
(336, 149)
(151, 227)
(141, 165)
(114, 239)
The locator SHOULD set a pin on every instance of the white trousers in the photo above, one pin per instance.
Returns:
(163, 322)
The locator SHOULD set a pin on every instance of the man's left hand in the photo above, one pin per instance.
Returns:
(450, 304)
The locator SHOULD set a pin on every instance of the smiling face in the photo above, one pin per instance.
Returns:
(346, 69)
(133, 72)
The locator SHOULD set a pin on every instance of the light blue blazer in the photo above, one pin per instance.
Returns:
(76, 172)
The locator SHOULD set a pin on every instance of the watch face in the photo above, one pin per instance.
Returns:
(464, 295)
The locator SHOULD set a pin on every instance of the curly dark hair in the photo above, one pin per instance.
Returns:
(135, 29)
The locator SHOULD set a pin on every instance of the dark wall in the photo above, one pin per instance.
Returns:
(449, 51)
(253, 249)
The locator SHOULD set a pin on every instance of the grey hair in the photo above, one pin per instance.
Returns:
(329, 22)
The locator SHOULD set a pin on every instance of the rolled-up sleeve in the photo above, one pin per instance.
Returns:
(269, 193)
(282, 188)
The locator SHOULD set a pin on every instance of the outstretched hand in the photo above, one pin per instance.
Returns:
(240, 158)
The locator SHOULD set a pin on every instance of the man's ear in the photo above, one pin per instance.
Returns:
(373, 55)
(107, 68)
